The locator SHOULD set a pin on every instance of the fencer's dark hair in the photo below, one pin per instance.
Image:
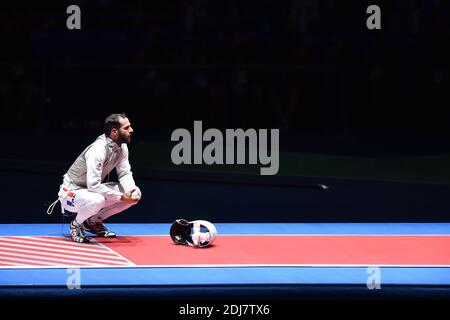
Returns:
(112, 121)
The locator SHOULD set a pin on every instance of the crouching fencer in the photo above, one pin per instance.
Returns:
(83, 192)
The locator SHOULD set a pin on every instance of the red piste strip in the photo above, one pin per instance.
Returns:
(289, 249)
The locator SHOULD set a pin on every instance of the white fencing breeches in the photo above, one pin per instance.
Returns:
(94, 206)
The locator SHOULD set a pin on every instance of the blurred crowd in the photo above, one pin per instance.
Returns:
(307, 66)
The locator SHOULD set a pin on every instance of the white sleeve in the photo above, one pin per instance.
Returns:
(95, 157)
(124, 171)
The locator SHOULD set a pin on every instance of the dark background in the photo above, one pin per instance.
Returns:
(306, 66)
(310, 68)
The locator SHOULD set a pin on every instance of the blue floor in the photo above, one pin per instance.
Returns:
(130, 229)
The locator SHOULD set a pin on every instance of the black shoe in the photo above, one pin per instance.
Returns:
(77, 233)
(98, 229)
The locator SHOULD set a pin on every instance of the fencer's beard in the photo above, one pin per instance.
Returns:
(123, 139)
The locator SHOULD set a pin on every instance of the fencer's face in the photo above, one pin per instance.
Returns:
(124, 133)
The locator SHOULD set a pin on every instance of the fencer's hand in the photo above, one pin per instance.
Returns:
(128, 197)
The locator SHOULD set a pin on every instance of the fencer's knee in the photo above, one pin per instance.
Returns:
(95, 202)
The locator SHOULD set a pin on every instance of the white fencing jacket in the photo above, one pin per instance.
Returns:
(95, 163)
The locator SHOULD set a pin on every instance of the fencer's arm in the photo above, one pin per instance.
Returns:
(123, 169)
(95, 157)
